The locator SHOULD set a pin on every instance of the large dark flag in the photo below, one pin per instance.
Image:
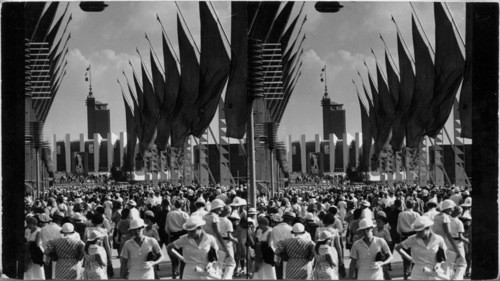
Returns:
(264, 19)
(393, 83)
(422, 96)
(372, 109)
(32, 14)
(448, 68)
(172, 83)
(465, 103)
(150, 113)
(214, 66)
(138, 126)
(280, 23)
(406, 88)
(367, 138)
(42, 29)
(385, 113)
(236, 104)
(53, 32)
(188, 91)
(131, 137)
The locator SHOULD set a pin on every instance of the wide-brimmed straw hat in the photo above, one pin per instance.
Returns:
(365, 223)
(467, 202)
(447, 204)
(94, 235)
(136, 223)
(216, 204)
(193, 223)
(421, 223)
(323, 235)
(238, 201)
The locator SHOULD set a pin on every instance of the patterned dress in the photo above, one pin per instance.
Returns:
(322, 268)
(68, 250)
(299, 250)
(92, 269)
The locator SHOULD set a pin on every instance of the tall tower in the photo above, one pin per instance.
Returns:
(98, 118)
(333, 114)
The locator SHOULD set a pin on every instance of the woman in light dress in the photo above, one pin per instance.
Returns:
(196, 246)
(366, 251)
(264, 270)
(33, 271)
(326, 259)
(95, 259)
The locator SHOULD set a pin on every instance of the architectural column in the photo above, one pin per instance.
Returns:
(67, 147)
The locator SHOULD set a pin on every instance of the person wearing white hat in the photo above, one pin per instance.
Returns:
(34, 268)
(195, 245)
(300, 252)
(364, 254)
(135, 252)
(424, 246)
(70, 253)
(441, 227)
(226, 229)
(212, 225)
(175, 220)
(457, 196)
(366, 213)
(95, 262)
(199, 205)
(264, 264)
(432, 211)
(404, 229)
(457, 232)
(280, 232)
(326, 262)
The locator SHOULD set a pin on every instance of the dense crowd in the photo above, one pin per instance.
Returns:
(304, 232)
(311, 230)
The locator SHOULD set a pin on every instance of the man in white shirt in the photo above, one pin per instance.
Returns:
(431, 206)
(175, 219)
(50, 232)
(405, 220)
(366, 213)
(281, 232)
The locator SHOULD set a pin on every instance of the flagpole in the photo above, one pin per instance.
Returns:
(154, 52)
(168, 39)
(402, 39)
(390, 55)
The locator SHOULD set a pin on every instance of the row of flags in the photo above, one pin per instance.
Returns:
(41, 30)
(401, 112)
(166, 106)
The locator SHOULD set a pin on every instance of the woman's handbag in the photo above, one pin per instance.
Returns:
(212, 255)
(36, 253)
(152, 256)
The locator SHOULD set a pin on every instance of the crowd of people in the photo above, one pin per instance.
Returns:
(303, 232)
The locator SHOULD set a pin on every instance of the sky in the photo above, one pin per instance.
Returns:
(342, 41)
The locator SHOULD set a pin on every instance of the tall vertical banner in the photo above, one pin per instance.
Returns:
(188, 163)
(296, 157)
(203, 169)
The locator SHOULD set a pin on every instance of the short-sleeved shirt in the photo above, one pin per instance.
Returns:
(196, 254)
(384, 233)
(225, 226)
(422, 254)
(210, 218)
(175, 220)
(439, 220)
(365, 256)
(137, 255)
